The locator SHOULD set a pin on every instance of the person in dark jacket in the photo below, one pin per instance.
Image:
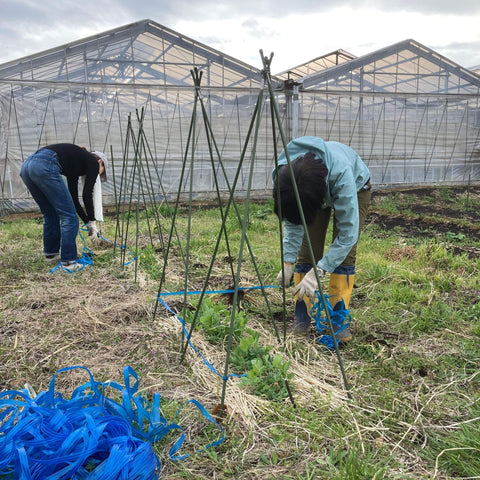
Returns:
(42, 174)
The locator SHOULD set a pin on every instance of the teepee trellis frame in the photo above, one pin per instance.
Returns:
(138, 169)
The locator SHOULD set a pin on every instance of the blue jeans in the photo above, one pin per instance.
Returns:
(41, 174)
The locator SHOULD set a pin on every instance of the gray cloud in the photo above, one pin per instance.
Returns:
(466, 54)
(29, 26)
(256, 28)
(165, 11)
(464, 7)
(188, 10)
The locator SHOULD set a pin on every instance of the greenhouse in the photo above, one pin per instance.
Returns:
(145, 93)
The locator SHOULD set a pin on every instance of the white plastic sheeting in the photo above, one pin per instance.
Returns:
(413, 115)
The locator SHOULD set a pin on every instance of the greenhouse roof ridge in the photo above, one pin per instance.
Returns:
(400, 59)
(72, 44)
(317, 64)
(130, 26)
(147, 47)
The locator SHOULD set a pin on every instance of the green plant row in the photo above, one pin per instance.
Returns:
(265, 373)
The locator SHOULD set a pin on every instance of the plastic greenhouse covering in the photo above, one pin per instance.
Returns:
(411, 114)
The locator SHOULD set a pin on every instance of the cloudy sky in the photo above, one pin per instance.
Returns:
(295, 31)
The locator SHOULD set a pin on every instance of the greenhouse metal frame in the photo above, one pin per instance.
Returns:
(412, 114)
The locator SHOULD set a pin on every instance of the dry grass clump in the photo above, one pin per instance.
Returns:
(398, 253)
(71, 320)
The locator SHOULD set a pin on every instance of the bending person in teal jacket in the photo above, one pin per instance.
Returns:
(329, 176)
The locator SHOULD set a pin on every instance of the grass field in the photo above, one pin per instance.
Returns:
(412, 410)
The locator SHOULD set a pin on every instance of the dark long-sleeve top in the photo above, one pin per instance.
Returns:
(76, 162)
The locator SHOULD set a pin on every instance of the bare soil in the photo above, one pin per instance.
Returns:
(429, 214)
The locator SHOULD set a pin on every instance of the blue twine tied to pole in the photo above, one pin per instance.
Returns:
(340, 318)
(90, 436)
(192, 346)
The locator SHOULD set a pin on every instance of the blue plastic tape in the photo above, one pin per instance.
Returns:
(89, 436)
(87, 254)
(340, 318)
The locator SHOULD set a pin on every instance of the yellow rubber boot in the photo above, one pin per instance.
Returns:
(302, 319)
(340, 288)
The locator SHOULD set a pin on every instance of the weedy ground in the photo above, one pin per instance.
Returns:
(412, 407)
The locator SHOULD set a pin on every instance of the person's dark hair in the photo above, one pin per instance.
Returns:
(309, 174)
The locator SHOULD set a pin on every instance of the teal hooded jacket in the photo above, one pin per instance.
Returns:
(347, 175)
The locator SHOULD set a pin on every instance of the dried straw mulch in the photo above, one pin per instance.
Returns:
(105, 322)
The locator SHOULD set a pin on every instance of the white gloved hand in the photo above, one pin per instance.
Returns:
(288, 270)
(309, 284)
(92, 231)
